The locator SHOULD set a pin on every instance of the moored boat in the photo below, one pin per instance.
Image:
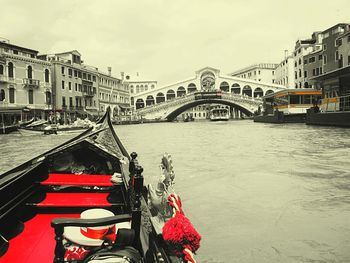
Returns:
(85, 199)
(287, 106)
(334, 108)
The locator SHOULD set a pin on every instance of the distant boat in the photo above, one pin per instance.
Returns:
(188, 118)
(219, 114)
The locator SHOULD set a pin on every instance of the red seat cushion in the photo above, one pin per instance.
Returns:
(78, 179)
(75, 200)
(36, 243)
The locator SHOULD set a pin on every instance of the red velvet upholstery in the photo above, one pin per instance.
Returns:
(75, 200)
(36, 243)
(78, 179)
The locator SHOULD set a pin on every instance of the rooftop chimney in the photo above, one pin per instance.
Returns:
(109, 71)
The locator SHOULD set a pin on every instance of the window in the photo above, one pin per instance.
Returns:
(30, 97)
(336, 55)
(70, 72)
(48, 98)
(79, 87)
(294, 99)
(2, 95)
(62, 70)
(295, 64)
(324, 59)
(29, 72)
(89, 77)
(296, 75)
(70, 101)
(273, 72)
(317, 71)
(305, 61)
(10, 70)
(75, 73)
(313, 72)
(299, 61)
(312, 59)
(94, 78)
(299, 73)
(338, 42)
(320, 57)
(324, 47)
(305, 74)
(76, 86)
(12, 95)
(70, 85)
(84, 75)
(1, 70)
(47, 76)
(62, 84)
(79, 74)
(63, 101)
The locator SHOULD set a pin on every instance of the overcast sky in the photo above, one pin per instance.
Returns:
(167, 40)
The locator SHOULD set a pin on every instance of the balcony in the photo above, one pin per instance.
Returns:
(88, 93)
(31, 83)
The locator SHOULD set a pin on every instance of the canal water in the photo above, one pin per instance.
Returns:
(255, 192)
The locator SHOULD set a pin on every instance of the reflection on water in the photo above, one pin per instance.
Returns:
(256, 192)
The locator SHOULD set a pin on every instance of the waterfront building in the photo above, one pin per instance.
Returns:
(25, 83)
(284, 71)
(331, 43)
(262, 72)
(74, 86)
(138, 85)
(343, 44)
(304, 47)
(113, 92)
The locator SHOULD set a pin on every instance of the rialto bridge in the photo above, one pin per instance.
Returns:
(207, 87)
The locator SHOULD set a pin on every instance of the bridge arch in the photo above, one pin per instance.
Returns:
(150, 100)
(224, 86)
(247, 90)
(258, 92)
(160, 97)
(140, 104)
(172, 115)
(170, 94)
(191, 88)
(236, 88)
(181, 91)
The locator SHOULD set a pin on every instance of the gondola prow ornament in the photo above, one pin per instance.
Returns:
(177, 230)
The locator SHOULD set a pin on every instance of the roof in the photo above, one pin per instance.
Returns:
(291, 91)
(333, 73)
(8, 45)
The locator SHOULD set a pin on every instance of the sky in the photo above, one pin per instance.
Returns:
(168, 40)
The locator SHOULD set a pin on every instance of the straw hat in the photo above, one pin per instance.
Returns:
(93, 236)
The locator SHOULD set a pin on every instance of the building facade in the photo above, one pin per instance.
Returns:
(263, 72)
(303, 47)
(25, 83)
(113, 92)
(74, 86)
(285, 72)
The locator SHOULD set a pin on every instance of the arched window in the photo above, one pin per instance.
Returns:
(170, 94)
(160, 97)
(1, 70)
(29, 72)
(224, 86)
(258, 92)
(47, 76)
(235, 88)
(2, 95)
(149, 100)
(247, 90)
(10, 70)
(191, 88)
(140, 104)
(180, 92)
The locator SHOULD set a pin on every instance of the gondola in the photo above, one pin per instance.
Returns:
(44, 200)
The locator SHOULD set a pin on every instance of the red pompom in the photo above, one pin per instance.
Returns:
(180, 234)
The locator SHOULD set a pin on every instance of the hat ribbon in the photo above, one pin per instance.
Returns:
(99, 233)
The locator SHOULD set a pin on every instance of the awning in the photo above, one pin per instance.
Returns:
(8, 110)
